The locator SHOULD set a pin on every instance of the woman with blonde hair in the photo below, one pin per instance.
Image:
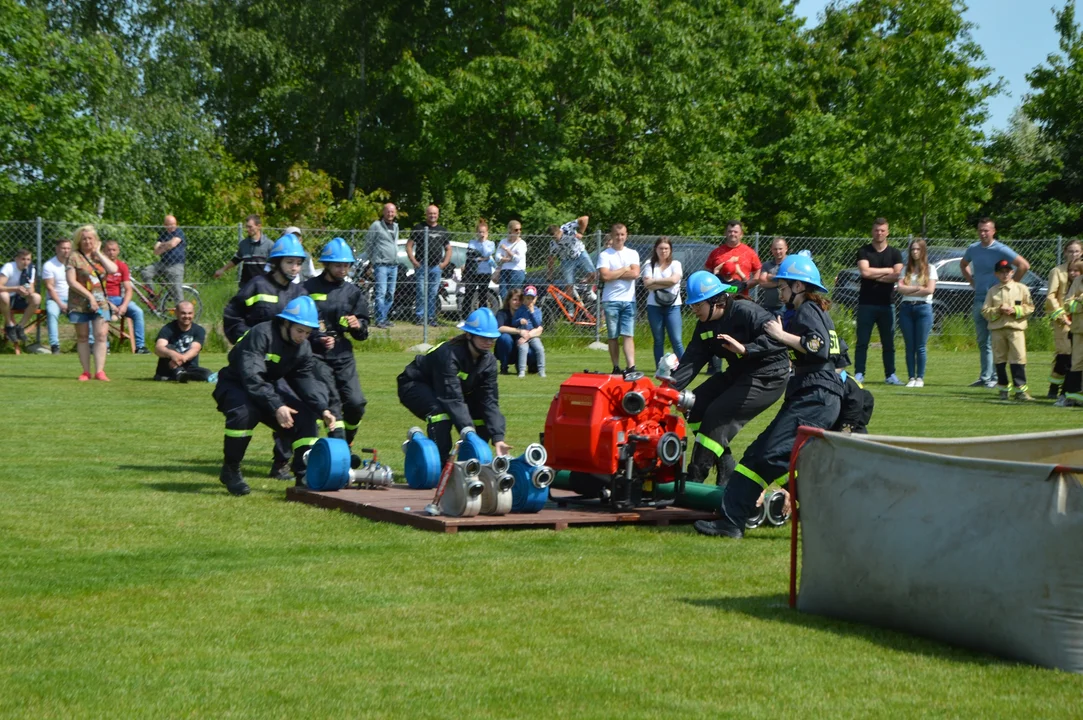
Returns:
(916, 312)
(86, 270)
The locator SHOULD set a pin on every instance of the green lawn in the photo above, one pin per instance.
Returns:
(134, 586)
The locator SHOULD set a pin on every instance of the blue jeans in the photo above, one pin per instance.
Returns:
(985, 343)
(385, 277)
(508, 354)
(510, 280)
(580, 262)
(663, 320)
(620, 318)
(52, 313)
(136, 314)
(883, 317)
(916, 322)
(433, 275)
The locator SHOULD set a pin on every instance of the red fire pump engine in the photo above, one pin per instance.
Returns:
(618, 437)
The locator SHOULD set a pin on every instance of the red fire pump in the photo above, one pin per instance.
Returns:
(618, 437)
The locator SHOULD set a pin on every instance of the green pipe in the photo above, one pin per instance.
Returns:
(697, 496)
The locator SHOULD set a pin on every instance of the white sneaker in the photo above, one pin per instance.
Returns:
(541, 373)
(912, 383)
(893, 379)
(860, 377)
(522, 373)
(991, 384)
(920, 382)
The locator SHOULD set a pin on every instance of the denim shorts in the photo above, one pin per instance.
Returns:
(77, 318)
(620, 318)
(581, 262)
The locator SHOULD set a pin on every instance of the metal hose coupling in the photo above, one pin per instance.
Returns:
(776, 513)
(500, 464)
(543, 477)
(686, 400)
(535, 455)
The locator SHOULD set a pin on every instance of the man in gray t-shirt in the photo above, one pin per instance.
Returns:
(768, 285)
(382, 250)
(977, 267)
(252, 252)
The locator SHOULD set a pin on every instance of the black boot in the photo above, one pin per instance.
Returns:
(1054, 391)
(233, 480)
(280, 470)
(722, 527)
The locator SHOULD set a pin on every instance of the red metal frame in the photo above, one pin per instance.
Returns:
(803, 434)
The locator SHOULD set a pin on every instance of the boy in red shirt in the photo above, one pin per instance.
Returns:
(118, 290)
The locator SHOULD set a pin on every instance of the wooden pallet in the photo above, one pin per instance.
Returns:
(403, 505)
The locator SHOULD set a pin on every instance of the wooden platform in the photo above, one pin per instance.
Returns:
(390, 505)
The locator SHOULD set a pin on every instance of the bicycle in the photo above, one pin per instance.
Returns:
(558, 304)
(154, 300)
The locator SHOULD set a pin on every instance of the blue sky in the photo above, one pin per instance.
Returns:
(1016, 36)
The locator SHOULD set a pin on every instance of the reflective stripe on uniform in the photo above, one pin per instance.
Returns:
(317, 297)
(711, 445)
(751, 475)
(694, 427)
(350, 426)
(1056, 380)
(260, 298)
(343, 322)
(271, 357)
(479, 423)
(706, 335)
(1078, 397)
(438, 418)
(462, 375)
(303, 442)
(238, 433)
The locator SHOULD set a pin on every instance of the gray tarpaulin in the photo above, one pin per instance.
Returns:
(974, 541)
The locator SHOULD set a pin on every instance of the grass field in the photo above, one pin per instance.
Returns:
(134, 586)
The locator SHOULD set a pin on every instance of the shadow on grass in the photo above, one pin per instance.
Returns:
(200, 468)
(775, 608)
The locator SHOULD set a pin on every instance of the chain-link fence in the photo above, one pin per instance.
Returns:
(572, 315)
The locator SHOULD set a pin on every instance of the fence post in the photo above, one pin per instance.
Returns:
(755, 295)
(1060, 249)
(37, 338)
(598, 344)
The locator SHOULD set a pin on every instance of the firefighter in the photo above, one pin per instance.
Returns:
(343, 311)
(269, 355)
(857, 402)
(455, 384)
(813, 395)
(755, 377)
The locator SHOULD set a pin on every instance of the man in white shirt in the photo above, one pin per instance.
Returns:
(17, 280)
(618, 267)
(55, 275)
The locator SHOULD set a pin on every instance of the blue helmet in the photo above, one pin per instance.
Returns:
(481, 322)
(703, 285)
(338, 250)
(799, 267)
(287, 246)
(301, 310)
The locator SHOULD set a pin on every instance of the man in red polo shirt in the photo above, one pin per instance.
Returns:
(734, 262)
(118, 289)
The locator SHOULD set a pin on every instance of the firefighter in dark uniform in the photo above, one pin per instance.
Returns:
(271, 354)
(813, 396)
(344, 311)
(261, 299)
(455, 384)
(755, 377)
(857, 401)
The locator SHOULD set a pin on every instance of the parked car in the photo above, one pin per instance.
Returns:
(953, 294)
(406, 288)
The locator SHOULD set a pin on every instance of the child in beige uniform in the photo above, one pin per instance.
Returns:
(1073, 304)
(1060, 320)
(1007, 306)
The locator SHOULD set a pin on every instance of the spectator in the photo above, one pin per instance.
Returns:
(478, 268)
(270, 363)
(528, 318)
(567, 245)
(17, 281)
(506, 345)
(511, 254)
(1073, 302)
(171, 248)
(662, 277)
(733, 262)
(382, 250)
(619, 268)
(1007, 306)
(429, 268)
(768, 284)
(118, 291)
(86, 270)
(916, 312)
(178, 345)
(1060, 319)
(55, 275)
(251, 253)
(880, 266)
(977, 267)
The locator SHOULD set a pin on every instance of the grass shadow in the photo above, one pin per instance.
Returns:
(775, 608)
(200, 468)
